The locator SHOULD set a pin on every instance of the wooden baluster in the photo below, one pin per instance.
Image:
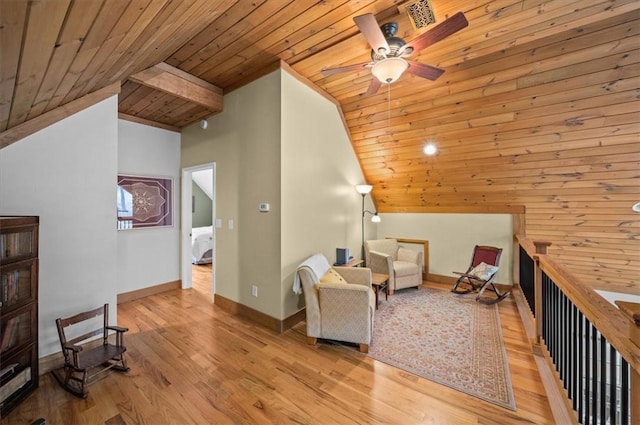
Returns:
(632, 310)
(518, 225)
(541, 249)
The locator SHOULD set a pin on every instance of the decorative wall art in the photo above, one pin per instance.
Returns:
(144, 202)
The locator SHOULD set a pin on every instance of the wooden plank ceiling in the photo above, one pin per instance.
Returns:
(538, 107)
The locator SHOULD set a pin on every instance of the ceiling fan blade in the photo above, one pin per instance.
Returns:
(442, 31)
(371, 30)
(425, 71)
(373, 87)
(354, 67)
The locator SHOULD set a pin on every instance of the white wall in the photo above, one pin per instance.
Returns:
(452, 238)
(151, 256)
(66, 174)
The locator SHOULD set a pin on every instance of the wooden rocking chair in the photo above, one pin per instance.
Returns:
(480, 274)
(81, 364)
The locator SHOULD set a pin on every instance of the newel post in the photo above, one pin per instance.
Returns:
(541, 249)
(632, 311)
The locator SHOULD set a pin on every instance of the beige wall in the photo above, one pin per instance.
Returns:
(244, 142)
(321, 209)
(277, 141)
(452, 238)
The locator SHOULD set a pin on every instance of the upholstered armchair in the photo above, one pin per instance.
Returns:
(403, 265)
(340, 304)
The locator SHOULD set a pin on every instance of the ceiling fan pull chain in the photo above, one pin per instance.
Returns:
(389, 108)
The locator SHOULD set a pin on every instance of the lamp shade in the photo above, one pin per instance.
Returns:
(375, 218)
(389, 70)
(363, 189)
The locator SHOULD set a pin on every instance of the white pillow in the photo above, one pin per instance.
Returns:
(483, 271)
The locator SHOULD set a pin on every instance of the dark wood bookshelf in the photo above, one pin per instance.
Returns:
(18, 310)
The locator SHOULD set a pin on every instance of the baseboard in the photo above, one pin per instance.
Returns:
(258, 317)
(561, 408)
(47, 363)
(451, 280)
(438, 278)
(526, 316)
(56, 360)
(294, 319)
(145, 292)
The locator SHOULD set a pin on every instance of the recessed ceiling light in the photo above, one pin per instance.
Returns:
(430, 149)
(636, 207)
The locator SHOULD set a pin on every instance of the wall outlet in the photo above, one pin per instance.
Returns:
(254, 290)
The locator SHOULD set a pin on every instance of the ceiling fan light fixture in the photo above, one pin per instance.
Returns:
(389, 70)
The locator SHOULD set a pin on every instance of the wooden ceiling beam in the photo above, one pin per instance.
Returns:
(144, 121)
(176, 82)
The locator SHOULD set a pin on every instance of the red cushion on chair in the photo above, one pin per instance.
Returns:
(484, 256)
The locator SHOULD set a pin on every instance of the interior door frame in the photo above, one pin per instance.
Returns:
(186, 224)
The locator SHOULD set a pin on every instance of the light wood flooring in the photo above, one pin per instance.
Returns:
(192, 363)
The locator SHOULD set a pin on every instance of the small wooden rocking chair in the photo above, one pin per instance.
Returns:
(471, 280)
(81, 365)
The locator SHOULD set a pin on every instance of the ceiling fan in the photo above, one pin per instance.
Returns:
(389, 52)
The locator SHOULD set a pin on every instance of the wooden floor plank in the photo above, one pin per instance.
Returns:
(192, 362)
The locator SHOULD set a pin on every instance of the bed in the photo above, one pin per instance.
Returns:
(202, 245)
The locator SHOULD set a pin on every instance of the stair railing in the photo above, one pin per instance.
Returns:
(591, 347)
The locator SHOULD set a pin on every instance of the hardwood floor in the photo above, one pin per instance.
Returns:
(201, 278)
(192, 363)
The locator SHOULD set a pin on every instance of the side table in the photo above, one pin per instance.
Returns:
(352, 263)
(380, 282)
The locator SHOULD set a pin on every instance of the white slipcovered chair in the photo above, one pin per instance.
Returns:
(403, 265)
(340, 304)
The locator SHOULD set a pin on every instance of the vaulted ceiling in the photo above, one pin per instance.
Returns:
(537, 109)
(56, 51)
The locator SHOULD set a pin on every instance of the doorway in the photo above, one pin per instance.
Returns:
(198, 236)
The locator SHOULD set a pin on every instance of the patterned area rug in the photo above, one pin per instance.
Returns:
(446, 338)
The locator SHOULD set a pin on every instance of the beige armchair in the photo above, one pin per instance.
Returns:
(403, 265)
(340, 305)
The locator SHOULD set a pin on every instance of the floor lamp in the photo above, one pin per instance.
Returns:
(363, 189)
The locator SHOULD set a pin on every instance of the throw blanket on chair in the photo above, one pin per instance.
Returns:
(317, 264)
